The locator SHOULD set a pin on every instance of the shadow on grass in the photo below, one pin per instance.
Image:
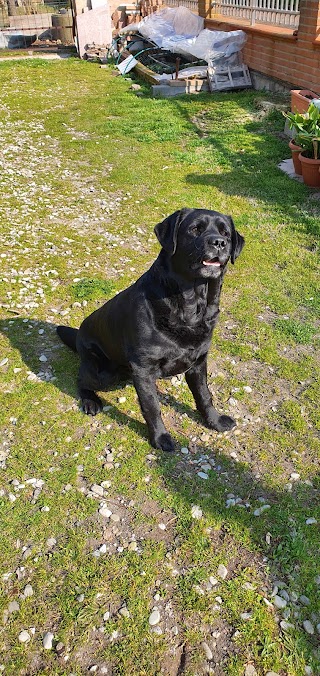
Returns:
(253, 173)
(292, 544)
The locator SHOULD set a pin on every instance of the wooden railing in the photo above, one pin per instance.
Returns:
(274, 12)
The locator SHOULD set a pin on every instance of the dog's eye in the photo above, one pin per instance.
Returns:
(196, 230)
(223, 230)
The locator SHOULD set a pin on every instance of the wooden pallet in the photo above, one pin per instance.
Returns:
(232, 77)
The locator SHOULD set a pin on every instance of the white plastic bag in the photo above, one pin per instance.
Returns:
(170, 22)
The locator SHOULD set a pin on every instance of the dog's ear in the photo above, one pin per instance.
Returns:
(167, 230)
(237, 242)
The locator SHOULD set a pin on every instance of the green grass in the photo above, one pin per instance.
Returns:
(87, 170)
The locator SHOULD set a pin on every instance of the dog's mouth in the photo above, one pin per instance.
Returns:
(213, 262)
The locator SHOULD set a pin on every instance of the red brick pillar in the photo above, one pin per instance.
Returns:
(307, 66)
(204, 8)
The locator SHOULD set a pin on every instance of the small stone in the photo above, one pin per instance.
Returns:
(97, 490)
(304, 600)
(124, 612)
(318, 628)
(246, 616)
(213, 580)
(51, 542)
(308, 671)
(106, 616)
(154, 618)
(80, 598)
(279, 602)
(103, 549)
(162, 526)
(230, 503)
(132, 547)
(295, 476)
(250, 670)
(196, 512)
(286, 626)
(222, 571)
(43, 358)
(247, 388)
(24, 637)
(284, 594)
(104, 511)
(206, 650)
(260, 510)
(115, 518)
(308, 627)
(59, 648)
(47, 640)
(28, 591)
(13, 607)
(202, 475)
(184, 450)
(121, 400)
(311, 521)
(93, 669)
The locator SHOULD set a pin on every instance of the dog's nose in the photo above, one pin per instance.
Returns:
(217, 242)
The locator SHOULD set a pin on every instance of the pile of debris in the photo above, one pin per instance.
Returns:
(173, 51)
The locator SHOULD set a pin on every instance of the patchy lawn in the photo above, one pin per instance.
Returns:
(100, 533)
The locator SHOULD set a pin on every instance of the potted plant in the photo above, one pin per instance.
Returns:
(301, 99)
(307, 138)
(296, 122)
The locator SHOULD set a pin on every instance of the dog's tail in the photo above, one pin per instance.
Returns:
(68, 336)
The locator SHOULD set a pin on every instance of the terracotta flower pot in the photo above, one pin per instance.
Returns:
(310, 171)
(295, 152)
(301, 99)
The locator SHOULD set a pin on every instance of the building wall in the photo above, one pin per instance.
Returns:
(291, 57)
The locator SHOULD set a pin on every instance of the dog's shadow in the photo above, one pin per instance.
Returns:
(51, 361)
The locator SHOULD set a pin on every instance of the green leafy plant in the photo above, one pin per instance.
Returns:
(307, 128)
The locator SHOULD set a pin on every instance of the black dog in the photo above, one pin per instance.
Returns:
(162, 325)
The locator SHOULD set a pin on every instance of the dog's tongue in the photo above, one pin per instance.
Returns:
(216, 263)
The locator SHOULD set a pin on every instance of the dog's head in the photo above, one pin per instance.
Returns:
(200, 242)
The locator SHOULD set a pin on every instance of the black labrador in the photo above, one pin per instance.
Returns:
(162, 324)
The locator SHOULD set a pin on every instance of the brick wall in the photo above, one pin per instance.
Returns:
(281, 54)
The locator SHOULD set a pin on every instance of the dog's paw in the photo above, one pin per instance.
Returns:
(221, 423)
(164, 442)
(91, 406)
(225, 423)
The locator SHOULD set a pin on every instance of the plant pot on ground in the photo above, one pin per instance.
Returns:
(310, 170)
(295, 152)
(301, 99)
(307, 136)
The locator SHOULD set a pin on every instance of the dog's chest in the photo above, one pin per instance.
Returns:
(186, 329)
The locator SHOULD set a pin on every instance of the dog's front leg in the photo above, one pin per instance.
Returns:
(147, 393)
(196, 378)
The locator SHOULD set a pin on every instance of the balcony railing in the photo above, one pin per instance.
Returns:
(274, 12)
(190, 4)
